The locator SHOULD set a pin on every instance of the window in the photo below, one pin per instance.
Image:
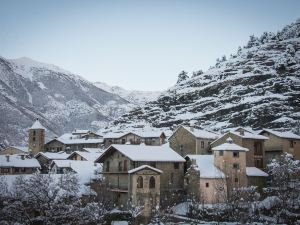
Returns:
(123, 141)
(23, 169)
(120, 166)
(181, 149)
(292, 144)
(221, 153)
(107, 166)
(153, 164)
(125, 165)
(140, 182)
(17, 170)
(4, 170)
(176, 165)
(236, 154)
(202, 144)
(33, 139)
(236, 166)
(207, 185)
(152, 182)
(34, 132)
(236, 180)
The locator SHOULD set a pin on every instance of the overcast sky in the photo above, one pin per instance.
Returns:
(135, 44)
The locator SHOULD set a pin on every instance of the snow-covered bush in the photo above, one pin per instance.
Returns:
(44, 199)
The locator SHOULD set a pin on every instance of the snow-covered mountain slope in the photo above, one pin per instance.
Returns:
(258, 87)
(63, 101)
(139, 98)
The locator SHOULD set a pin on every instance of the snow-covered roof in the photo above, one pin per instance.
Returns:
(148, 134)
(37, 125)
(199, 133)
(205, 164)
(147, 153)
(83, 168)
(144, 167)
(255, 172)
(113, 135)
(79, 141)
(285, 134)
(22, 148)
(229, 146)
(53, 155)
(89, 156)
(17, 161)
(249, 135)
(140, 133)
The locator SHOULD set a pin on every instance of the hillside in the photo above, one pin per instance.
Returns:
(136, 97)
(63, 101)
(259, 87)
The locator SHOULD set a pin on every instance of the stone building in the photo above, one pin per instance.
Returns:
(86, 155)
(211, 178)
(84, 168)
(120, 162)
(280, 142)
(204, 182)
(189, 140)
(72, 144)
(18, 164)
(253, 142)
(45, 159)
(154, 138)
(36, 139)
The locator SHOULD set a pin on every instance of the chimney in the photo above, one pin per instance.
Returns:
(22, 157)
(7, 158)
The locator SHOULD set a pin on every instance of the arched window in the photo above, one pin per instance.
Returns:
(140, 182)
(152, 182)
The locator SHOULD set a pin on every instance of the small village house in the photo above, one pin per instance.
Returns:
(204, 182)
(46, 158)
(211, 178)
(120, 162)
(18, 164)
(72, 143)
(154, 138)
(88, 154)
(250, 140)
(279, 142)
(189, 140)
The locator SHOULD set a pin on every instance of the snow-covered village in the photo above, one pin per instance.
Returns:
(151, 127)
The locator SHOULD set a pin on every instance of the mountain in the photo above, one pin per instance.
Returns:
(61, 100)
(259, 87)
(139, 98)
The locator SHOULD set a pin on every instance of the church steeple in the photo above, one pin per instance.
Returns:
(36, 139)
